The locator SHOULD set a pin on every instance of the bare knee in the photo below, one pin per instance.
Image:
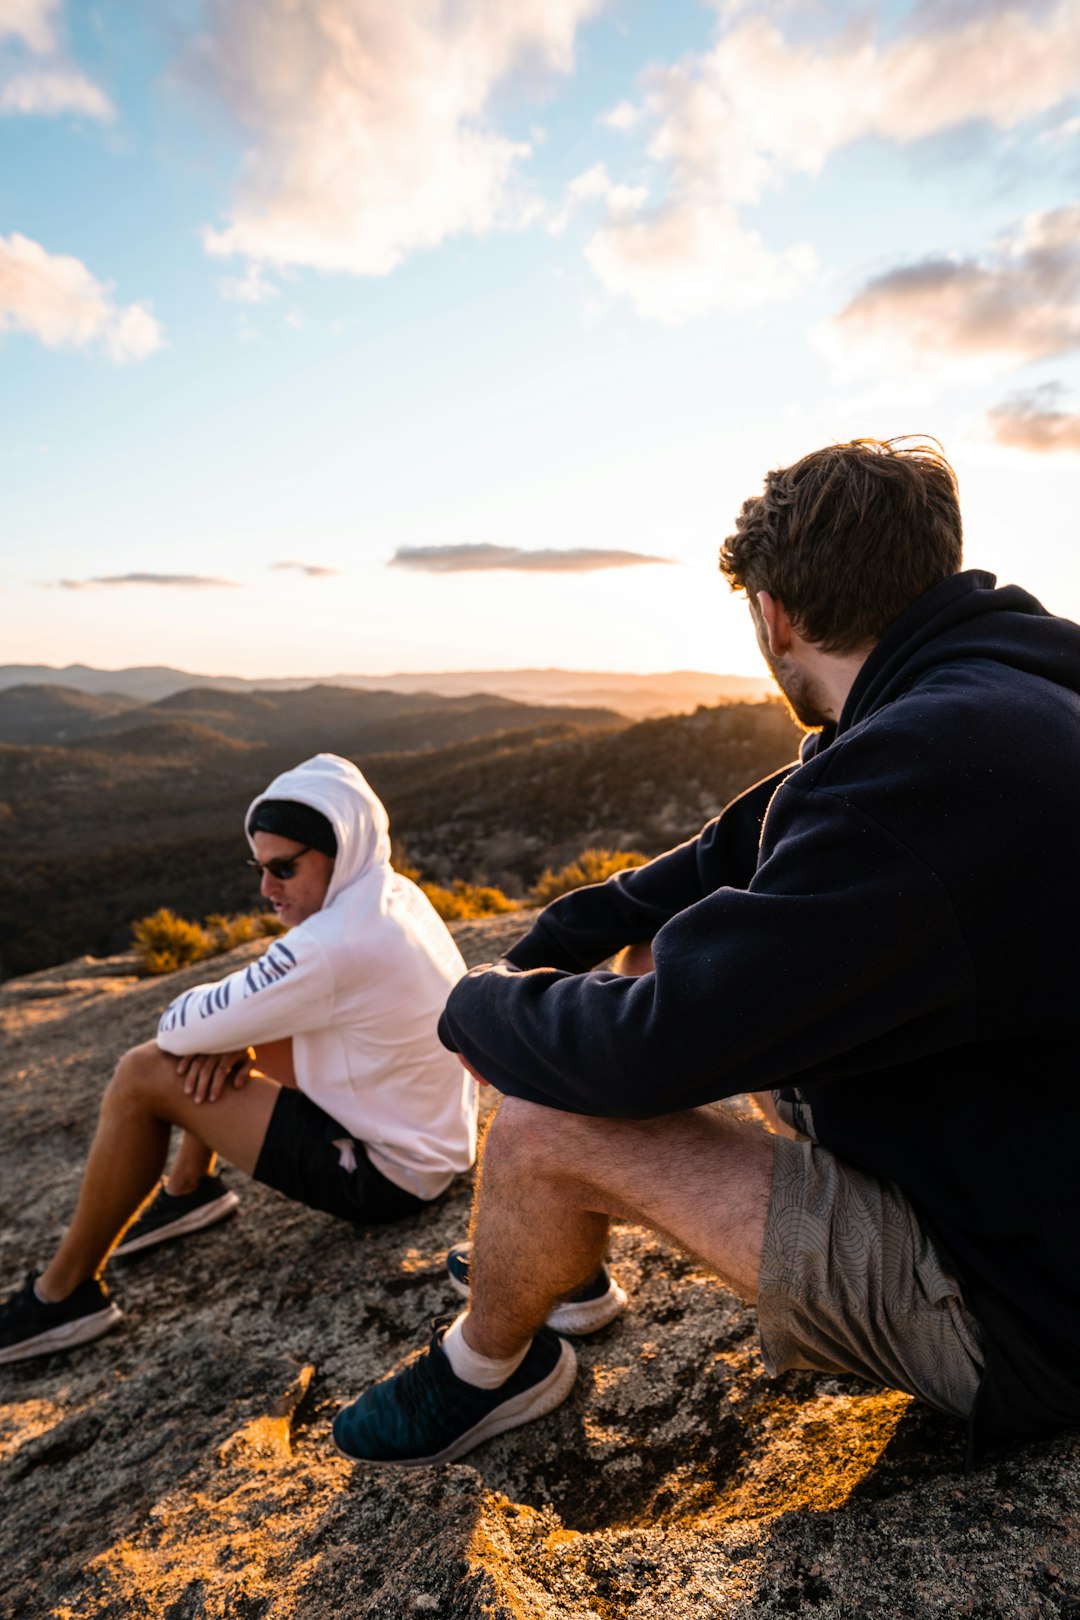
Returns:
(142, 1069)
(527, 1140)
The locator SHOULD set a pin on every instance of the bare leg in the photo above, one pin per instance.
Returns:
(144, 1099)
(194, 1159)
(553, 1181)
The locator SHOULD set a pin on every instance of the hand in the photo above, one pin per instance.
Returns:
(205, 1074)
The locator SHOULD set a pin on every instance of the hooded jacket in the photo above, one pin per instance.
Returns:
(888, 930)
(359, 987)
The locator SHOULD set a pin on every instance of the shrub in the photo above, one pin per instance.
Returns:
(591, 866)
(464, 901)
(165, 942)
(227, 932)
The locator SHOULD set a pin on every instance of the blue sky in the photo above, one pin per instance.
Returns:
(339, 335)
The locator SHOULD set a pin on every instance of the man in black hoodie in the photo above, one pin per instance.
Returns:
(881, 935)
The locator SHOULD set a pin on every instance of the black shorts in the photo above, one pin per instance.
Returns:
(298, 1158)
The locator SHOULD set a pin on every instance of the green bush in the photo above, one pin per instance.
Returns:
(165, 942)
(591, 866)
(464, 901)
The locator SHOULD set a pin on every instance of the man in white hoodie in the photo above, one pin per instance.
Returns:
(316, 1069)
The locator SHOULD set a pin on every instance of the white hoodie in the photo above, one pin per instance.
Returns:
(359, 987)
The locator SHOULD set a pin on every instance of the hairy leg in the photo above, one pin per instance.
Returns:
(142, 1102)
(194, 1159)
(552, 1182)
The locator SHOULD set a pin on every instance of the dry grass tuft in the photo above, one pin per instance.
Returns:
(165, 942)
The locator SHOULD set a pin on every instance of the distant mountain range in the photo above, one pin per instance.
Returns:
(302, 721)
(111, 807)
(637, 696)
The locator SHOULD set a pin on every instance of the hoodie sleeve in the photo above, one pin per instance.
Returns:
(585, 927)
(288, 990)
(845, 942)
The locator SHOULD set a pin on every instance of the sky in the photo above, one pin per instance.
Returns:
(382, 335)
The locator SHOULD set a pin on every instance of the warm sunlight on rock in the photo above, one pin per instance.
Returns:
(21, 1421)
(808, 1454)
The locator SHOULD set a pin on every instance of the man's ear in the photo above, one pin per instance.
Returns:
(778, 626)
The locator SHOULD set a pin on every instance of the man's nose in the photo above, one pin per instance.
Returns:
(267, 885)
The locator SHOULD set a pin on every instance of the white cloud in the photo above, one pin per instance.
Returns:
(370, 139)
(250, 288)
(54, 85)
(622, 117)
(31, 21)
(731, 122)
(482, 558)
(1031, 422)
(758, 105)
(49, 92)
(170, 581)
(684, 260)
(312, 570)
(56, 299)
(595, 183)
(1017, 304)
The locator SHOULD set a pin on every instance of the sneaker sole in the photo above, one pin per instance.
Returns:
(193, 1221)
(578, 1317)
(66, 1336)
(532, 1403)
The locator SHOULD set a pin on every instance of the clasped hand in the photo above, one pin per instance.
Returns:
(206, 1074)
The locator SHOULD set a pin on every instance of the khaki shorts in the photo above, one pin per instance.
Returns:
(850, 1282)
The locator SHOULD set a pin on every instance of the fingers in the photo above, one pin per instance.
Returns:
(206, 1075)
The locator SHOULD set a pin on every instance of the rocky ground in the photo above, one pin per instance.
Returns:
(182, 1466)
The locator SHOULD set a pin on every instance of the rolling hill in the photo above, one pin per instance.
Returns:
(145, 808)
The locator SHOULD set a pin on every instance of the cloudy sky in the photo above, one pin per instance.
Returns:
(348, 335)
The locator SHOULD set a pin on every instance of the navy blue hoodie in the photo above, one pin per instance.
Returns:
(888, 927)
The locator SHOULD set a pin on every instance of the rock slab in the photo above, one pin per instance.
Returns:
(182, 1466)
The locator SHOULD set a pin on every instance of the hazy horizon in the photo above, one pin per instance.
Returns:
(461, 671)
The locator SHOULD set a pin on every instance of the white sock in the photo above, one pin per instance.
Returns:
(483, 1371)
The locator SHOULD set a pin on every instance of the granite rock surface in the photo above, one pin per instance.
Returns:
(182, 1466)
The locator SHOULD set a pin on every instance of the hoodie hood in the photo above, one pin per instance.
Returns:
(964, 617)
(336, 788)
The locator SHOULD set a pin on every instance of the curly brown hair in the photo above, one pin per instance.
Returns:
(849, 536)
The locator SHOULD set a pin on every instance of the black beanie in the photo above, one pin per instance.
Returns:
(290, 819)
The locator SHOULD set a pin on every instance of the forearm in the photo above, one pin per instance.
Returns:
(750, 989)
(283, 992)
(584, 928)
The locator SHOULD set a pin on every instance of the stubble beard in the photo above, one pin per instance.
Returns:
(800, 691)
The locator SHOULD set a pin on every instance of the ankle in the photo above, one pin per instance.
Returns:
(472, 1366)
(51, 1290)
(179, 1183)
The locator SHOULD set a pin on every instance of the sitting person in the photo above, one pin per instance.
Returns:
(316, 1069)
(882, 935)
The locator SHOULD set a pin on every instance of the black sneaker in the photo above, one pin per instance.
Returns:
(586, 1310)
(426, 1414)
(174, 1215)
(30, 1327)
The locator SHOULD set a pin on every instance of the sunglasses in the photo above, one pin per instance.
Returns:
(282, 867)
